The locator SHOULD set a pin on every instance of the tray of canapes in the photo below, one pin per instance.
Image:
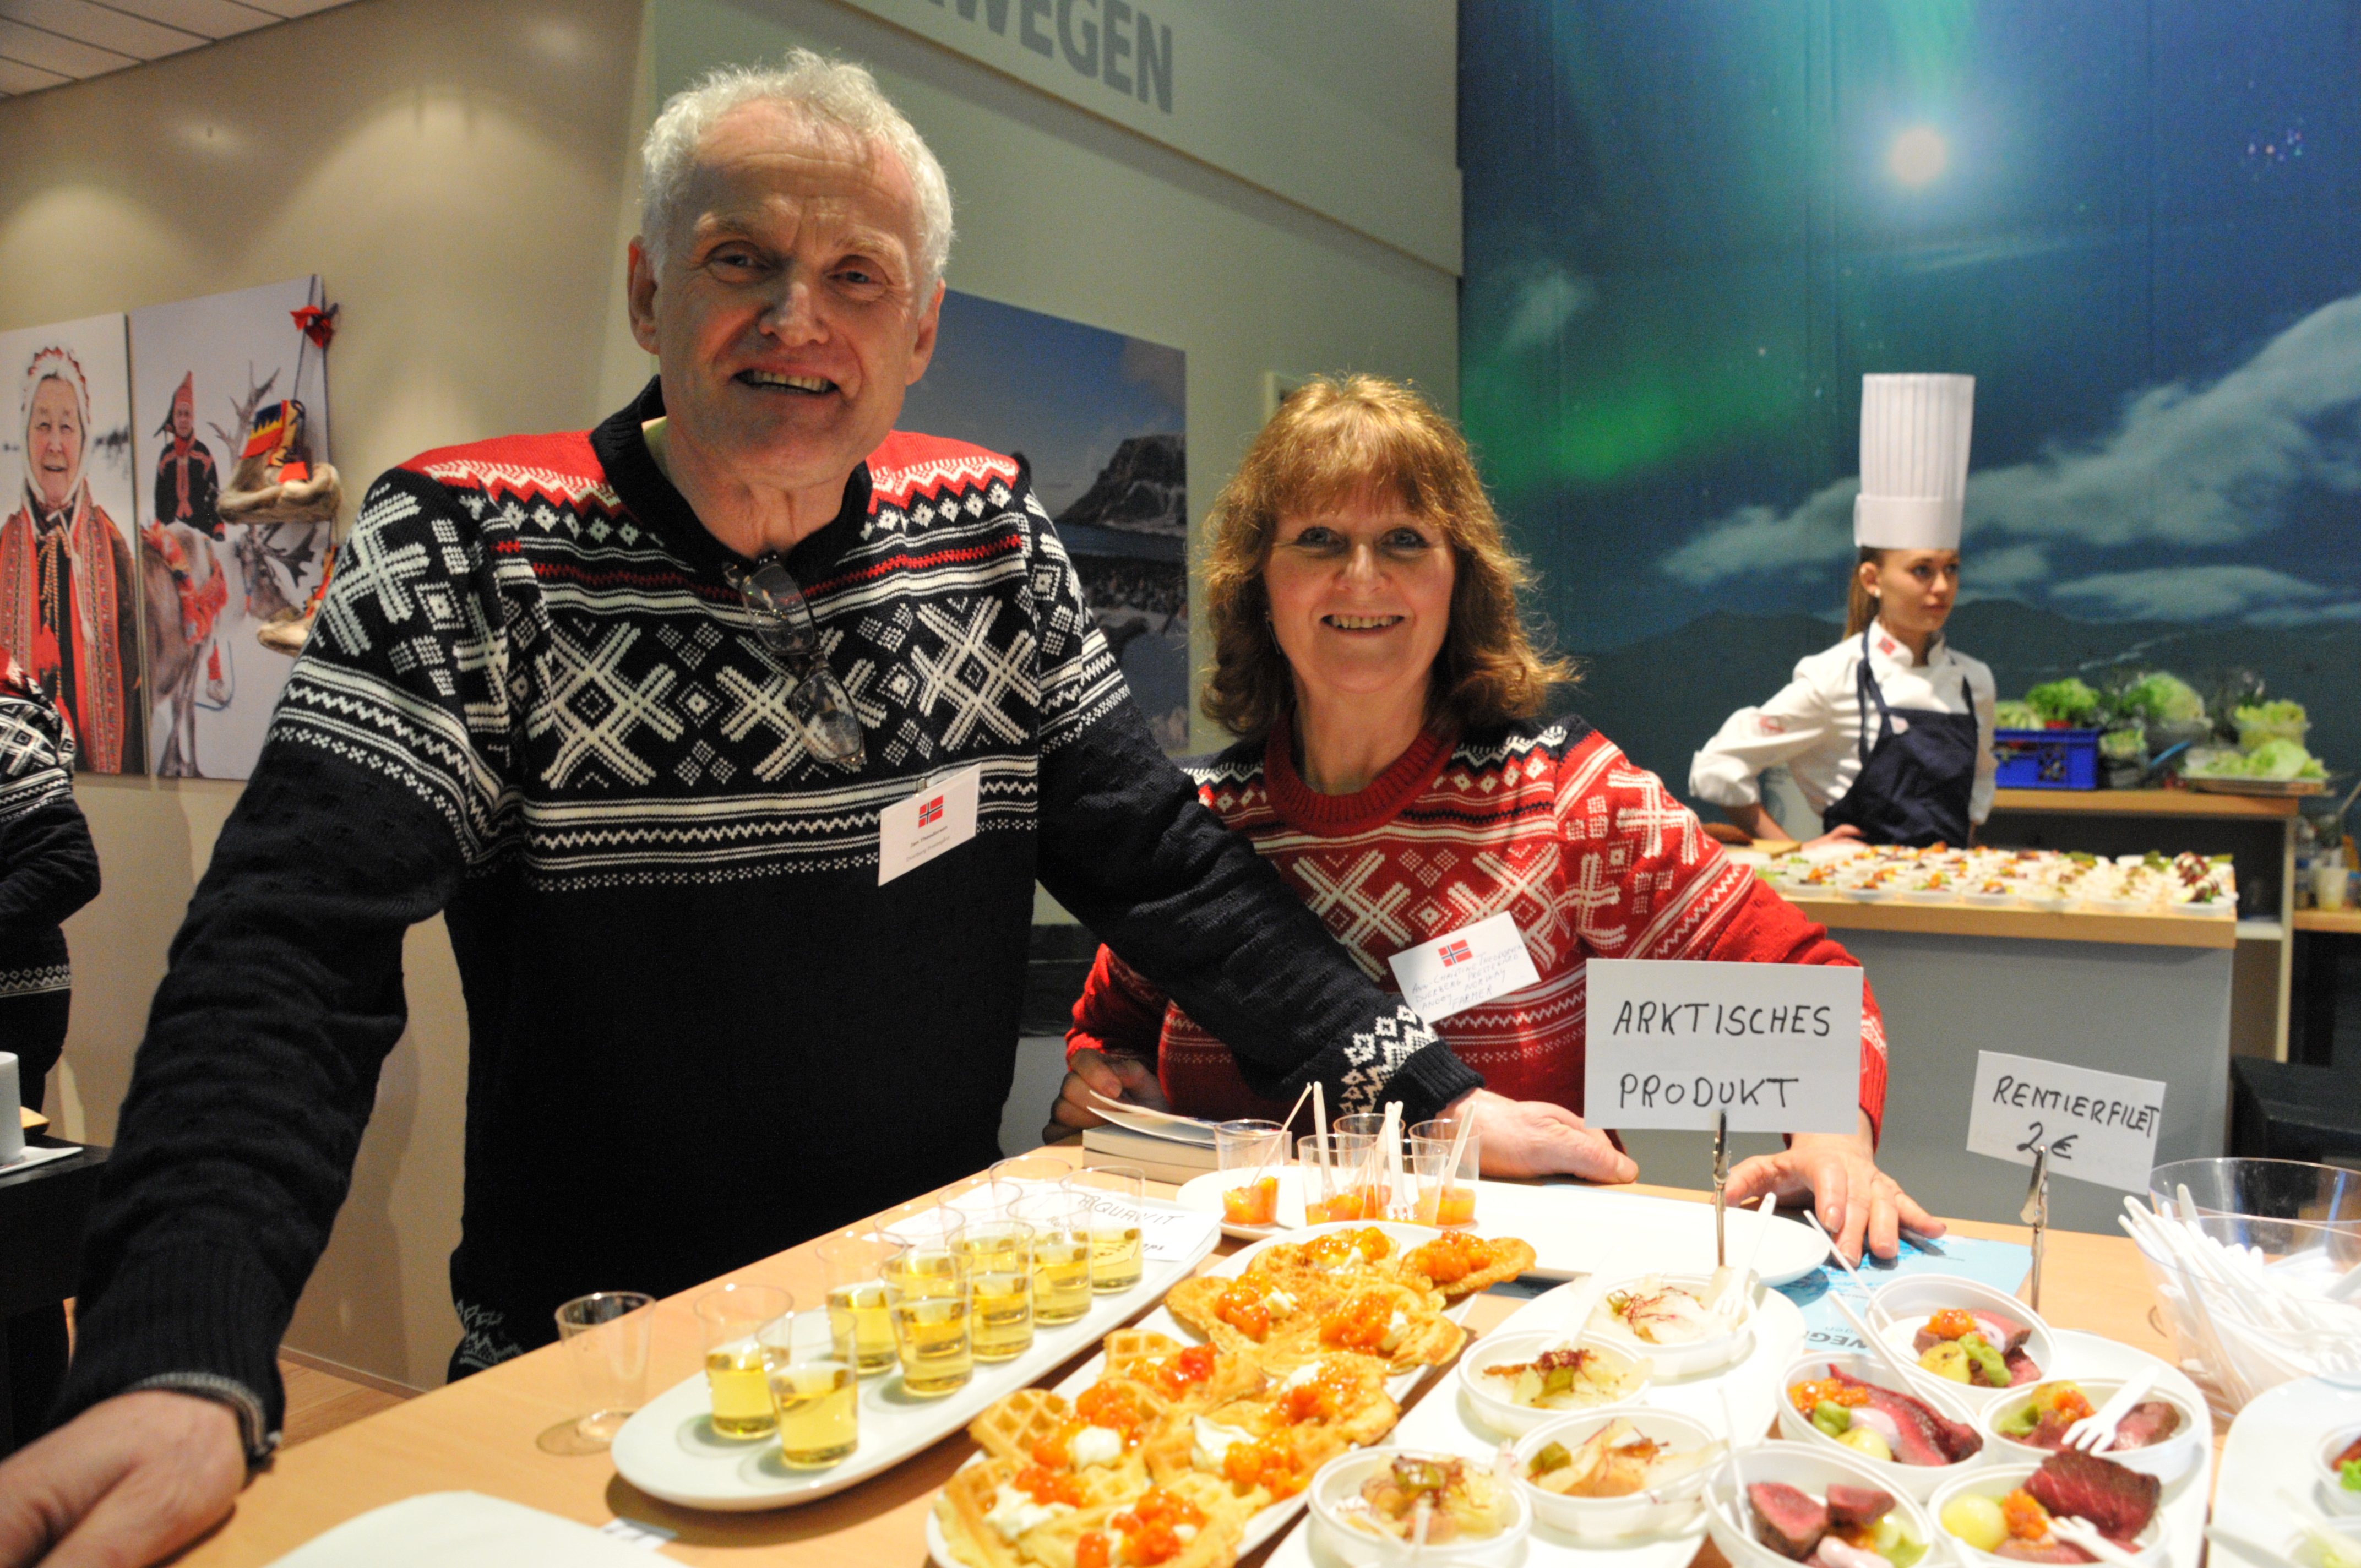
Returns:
(1574, 1229)
(1193, 1437)
(2151, 883)
(670, 1448)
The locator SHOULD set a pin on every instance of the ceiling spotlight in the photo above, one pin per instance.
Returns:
(1918, 155)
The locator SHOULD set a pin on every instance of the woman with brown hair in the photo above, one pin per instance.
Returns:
(1888, 734)
(1395, 766)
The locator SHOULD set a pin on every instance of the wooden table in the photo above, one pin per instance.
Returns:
(478, 1435)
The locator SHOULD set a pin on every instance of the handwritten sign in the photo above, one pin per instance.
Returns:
(1674, 1042)
(2100, 1126)
(1473, 964)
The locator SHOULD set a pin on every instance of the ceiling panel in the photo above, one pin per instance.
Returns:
(210, 19)
(100, 25)
(15, 78)
(34, 46)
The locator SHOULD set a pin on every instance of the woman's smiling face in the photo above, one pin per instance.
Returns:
(1360, 598)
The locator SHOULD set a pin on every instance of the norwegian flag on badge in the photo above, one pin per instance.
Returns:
(1456, 953)
(933, 812)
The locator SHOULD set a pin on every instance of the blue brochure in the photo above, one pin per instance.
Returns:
(2001, 1265)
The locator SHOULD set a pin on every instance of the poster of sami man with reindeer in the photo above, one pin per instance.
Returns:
(234, 500)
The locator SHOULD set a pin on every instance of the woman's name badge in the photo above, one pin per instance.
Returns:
(917, 828)
(1473, 964)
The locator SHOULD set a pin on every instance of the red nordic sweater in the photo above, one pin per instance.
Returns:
(1551, 823)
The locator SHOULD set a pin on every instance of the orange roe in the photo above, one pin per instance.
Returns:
(1149, 1528)
(1810, 1395)
(1446, 1260)
(1056, 1451)
(1320, 1398)
(1269, 1461)
(1950, 1323)
(1243, 1308)
(1360, 1323)
(1257, 1203)
(1090, 1550)
(1338, 1247)
(1109, 1405)
(1049, 1487)
(1193, 1365)
(2026, 1518)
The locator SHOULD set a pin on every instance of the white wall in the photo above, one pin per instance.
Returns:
(461, 177)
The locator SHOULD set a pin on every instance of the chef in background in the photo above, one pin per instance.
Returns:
(1888, 734)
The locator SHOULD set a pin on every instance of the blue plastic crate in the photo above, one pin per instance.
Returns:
(2047, 759)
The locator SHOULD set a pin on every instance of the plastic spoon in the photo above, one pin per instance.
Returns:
(1882, 1352)
(1850, 1272)
(2095, 1433)
(1744, 1272)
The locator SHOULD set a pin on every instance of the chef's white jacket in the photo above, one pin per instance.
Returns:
(1814, 726)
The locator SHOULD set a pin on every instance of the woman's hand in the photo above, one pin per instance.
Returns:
(1116, 1078)
(1855, 1200)
(1533, 1137)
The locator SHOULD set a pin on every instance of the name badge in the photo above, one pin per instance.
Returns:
(2100, 1126)
(916, 828)
(1474, 963)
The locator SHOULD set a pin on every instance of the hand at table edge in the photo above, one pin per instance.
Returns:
(131, 1480)
(1537, 1138)
(1858, 1202)
(1113, 1077)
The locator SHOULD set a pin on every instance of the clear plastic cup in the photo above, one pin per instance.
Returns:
(1249, 1155)
(731, 1317)
(1061, 1219)
(857, 1296)
(1445, 1197)
(814, 1390)
(1338, 1181)
(1116, 1194)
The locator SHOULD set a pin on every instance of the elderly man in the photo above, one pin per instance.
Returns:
(631, 708)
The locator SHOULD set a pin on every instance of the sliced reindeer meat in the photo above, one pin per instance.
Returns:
(1927, 1436)
(2148, 1423)
(2021, 1369)
(1858, 1504)
(2001, 1333)
(2050, 1551)
(1788, 1521)
(2119, 1502)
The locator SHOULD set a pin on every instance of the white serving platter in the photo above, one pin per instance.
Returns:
(669, 1449)
(1574, 1229)
(2271, 1447)
(1274, 1518)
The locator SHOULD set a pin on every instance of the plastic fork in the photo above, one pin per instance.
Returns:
(2082, 1533)
(2095, 1433)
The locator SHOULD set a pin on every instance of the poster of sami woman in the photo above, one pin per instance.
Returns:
(69, 587)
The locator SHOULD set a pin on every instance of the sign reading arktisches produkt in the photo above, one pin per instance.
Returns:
(2100, 1126)
(1677, 1043)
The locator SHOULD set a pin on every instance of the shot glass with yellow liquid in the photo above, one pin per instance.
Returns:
(856, 1297)
(814, 1391)
(1114, 1194)
(1339, 1183)
(1000, 1282)
(1249, 1155)
(1446, 1188)
(731, 1319)
(1061, 1219)
(929, 1299)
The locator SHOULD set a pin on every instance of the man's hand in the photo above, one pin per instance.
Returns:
(1116, 1078)
(1855, 1200)
(1535, 1137)
(129, 1481)
(1842, 833)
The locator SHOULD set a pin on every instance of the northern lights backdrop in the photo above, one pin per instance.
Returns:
(1694, 224)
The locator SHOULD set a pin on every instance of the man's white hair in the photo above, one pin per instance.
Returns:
(832, 92)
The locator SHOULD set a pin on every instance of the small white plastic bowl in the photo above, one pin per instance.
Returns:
(1341, 1478)
(1997, 1481)
(2340, 1499)
(1918, 1480)
(1504, 1415)
(1645, 1513)
(1674, 1360)
(1910, 1303)
(2166, 1460)
(1807, 1470)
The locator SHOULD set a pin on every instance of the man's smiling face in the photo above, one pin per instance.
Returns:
(786, 318)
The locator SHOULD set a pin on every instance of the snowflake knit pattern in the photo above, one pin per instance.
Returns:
(1551, 825)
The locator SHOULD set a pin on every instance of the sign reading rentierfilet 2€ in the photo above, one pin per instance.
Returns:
(2100, 1126)
(1674, 1043)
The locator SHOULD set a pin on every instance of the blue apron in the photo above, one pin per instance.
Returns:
(1915, 780)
